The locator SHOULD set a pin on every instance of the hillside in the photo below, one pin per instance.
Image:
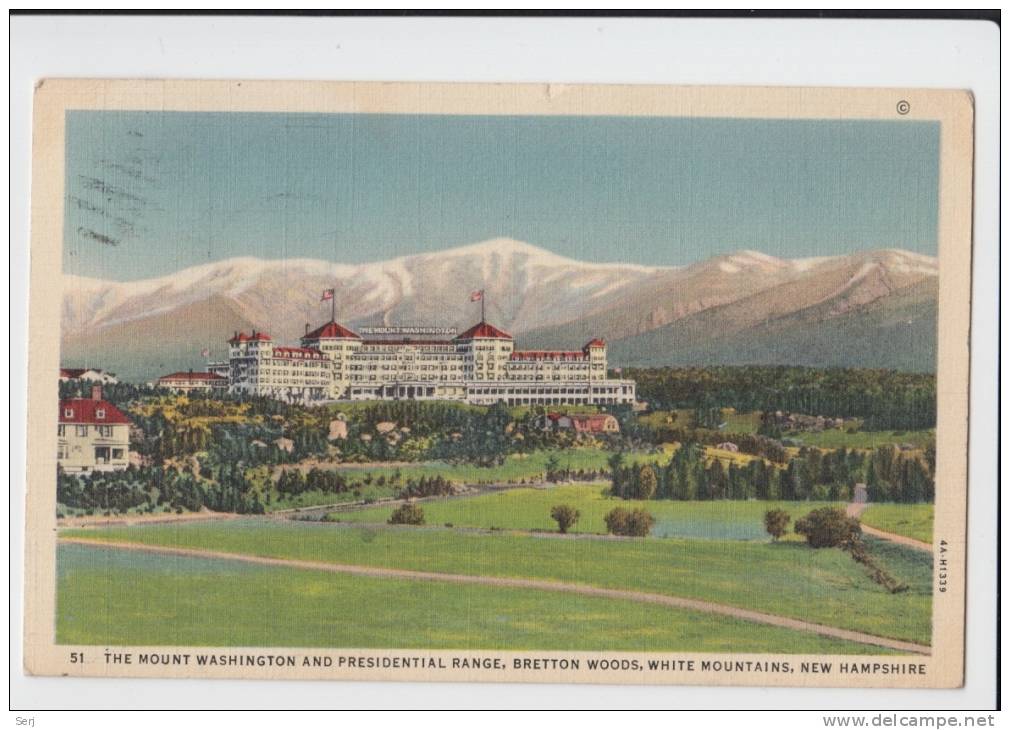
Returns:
(875, 308)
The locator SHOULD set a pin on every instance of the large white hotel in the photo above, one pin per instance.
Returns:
(478, 366)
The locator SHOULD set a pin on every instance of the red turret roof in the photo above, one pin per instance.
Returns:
(331, 330)
(255, 336)
(86, 410)
(595, 342)
(485, 330)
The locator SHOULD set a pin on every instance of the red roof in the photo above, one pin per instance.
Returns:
(291, 352)
(192, 376)
(591, 423)
(86, 410)
(483, 329)
(595, 342)
(243, 337)
(331, 330)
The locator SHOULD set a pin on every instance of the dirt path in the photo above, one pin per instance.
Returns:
(156, 518)
(856, 509)
(527, 583)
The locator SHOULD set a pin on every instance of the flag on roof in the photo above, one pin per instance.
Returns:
(327, 295)
(476, 296)
(205, 352)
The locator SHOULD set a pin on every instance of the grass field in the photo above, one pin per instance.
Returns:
(115, 597)
(741, 422)
(910, 520)
(789, 579)
(530, 509)
(517, 468)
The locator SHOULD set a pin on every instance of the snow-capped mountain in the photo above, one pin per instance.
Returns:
(647, 313)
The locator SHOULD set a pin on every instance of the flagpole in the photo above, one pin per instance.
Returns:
(333, 304)
(482, 306)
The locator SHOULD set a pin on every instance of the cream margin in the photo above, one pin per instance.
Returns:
(951, 108)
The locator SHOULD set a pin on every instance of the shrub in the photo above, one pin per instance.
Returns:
(776, 522)
(565, 515)
(407, 514)
(877, 573)
(829, 527)
(631, 523)
(646, 486)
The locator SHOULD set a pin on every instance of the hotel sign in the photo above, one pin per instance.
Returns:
(408, 330)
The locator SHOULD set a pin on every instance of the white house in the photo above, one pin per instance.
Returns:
(187, 382)
(93, 435)
(93, 375)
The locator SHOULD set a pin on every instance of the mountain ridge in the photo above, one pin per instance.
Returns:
(650, 314)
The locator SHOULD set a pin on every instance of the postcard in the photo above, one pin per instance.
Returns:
(494, 382)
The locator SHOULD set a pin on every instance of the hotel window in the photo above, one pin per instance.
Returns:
(104, 431)
(81, 430)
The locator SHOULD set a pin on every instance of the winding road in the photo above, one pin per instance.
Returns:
(524, 583)
(856, 509)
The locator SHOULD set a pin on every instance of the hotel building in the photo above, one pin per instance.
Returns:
(480, 366)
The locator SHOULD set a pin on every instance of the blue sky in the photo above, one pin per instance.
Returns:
(149, 193)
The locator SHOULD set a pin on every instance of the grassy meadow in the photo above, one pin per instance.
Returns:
(910, 520)
(105, 597)
(787, 578)
(530, 509)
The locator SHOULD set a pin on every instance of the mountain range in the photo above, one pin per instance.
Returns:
(868, 309)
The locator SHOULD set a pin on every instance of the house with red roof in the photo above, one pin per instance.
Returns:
(92, 435)
(194, 381)
(94, 375)
(592, 423)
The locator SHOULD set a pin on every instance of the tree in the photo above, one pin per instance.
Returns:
(646, 482)
(553, 468)
(776, 521)
(565, 515)
(407, 514)
(829, 527)
(631, 523)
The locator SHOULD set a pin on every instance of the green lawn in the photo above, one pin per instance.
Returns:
(741, 422)
(121, 598)
(910, 520)
(516, 468)
(530, 509)
(790, 579)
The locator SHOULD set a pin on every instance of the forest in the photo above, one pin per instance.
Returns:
(889, 474)
(884, 399)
